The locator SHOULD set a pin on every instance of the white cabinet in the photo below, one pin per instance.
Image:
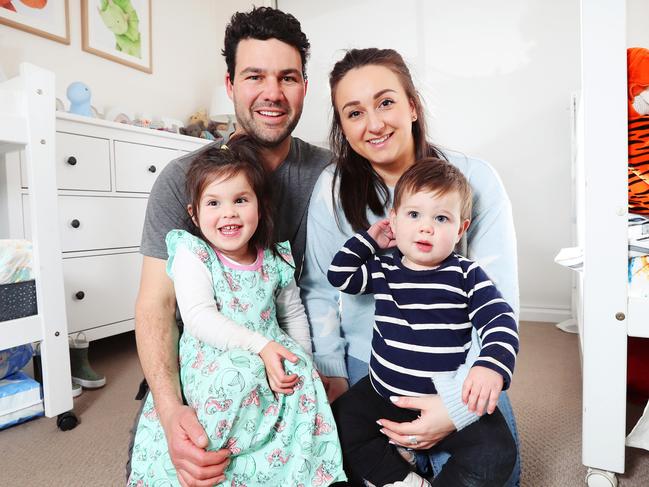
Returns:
(100, 289)
(104, 173)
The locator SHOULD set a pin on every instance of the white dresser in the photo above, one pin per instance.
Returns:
(104, 173)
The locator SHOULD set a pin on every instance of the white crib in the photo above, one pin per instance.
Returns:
(605, 313)
(27, 116)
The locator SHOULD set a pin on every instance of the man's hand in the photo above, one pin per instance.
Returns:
(481, 390)
(273, 355)
(187, 441)
(382, 234)
(335, 387)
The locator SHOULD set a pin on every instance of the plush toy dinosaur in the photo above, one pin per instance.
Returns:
(121, 19)
(79, 95)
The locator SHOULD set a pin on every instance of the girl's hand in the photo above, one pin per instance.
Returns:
(481, 390)
(432, 426)
(382, 234)
(273, 354)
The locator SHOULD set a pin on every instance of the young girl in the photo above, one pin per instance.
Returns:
(252, 384)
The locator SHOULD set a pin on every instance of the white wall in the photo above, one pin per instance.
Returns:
(497, 78)
(187, 61)
(637, 17)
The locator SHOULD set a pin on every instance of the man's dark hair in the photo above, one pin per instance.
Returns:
(263, 23)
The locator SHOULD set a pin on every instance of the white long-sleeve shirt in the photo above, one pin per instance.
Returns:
(202, 319)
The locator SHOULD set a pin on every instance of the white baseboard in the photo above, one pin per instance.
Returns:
(550, 315)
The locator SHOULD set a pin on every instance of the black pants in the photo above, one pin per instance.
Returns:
(482, 454)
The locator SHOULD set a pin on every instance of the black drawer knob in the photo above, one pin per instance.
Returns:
(80, 295)
(152, 168)
(75, 223)
(72, 160)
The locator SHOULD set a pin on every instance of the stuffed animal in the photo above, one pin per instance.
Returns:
(199, 116)
(638, 109)
(638, 171)
(193, 129)
(79, 95)
(199, 129)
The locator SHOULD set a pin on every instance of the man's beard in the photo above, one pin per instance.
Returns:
(255, 130)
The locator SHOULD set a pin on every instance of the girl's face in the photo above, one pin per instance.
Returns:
(228, 216)
(376, 117)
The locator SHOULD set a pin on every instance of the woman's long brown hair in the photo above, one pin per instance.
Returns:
(360, 186)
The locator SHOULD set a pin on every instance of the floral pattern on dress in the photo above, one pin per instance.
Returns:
(274, 440)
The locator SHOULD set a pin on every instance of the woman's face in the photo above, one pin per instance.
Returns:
(376, 117)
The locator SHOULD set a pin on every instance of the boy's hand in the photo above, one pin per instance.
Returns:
(273, 354)
(382, 234)
(481, 390)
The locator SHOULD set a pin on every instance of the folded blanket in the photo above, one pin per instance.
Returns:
(15, 261)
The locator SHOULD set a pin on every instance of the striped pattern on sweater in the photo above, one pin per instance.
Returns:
(423, 319)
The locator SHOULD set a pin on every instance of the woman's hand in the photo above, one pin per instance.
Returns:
(273, 355)
(382, 234)
(432, 426)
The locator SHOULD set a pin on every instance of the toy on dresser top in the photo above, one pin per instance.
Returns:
(199, 125)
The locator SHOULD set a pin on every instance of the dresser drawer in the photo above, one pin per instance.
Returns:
(97, 222)
(82, 163)
(101, 289)
(137, 166)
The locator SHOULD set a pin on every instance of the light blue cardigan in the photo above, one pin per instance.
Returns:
(342, 323)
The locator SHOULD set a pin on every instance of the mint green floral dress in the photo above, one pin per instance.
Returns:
(283, 440)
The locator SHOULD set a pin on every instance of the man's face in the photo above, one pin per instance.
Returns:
(268, 89)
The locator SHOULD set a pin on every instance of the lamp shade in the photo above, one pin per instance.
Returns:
(221, 108)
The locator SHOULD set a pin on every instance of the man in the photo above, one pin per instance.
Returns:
(266, 53)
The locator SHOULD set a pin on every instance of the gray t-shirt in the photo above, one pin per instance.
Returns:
(292, 184)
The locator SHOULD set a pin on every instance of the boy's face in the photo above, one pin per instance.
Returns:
(427, 226)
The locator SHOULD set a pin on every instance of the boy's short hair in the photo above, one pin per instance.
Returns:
(437, 176)
(263, 23)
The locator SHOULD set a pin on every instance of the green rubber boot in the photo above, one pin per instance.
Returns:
(77, 390)
(38, 371)
(82, 373)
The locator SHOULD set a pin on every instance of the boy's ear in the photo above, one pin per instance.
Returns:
(463, 228)
(393, 217)
(190, 210)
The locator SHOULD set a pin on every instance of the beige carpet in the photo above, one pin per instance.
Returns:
(546, 395)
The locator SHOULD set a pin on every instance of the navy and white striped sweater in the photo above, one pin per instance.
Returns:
(423, 318)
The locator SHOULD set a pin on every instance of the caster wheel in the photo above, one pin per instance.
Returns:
(67, 421)
(600, 478)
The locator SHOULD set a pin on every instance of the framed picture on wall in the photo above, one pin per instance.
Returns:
(46, 18)
(119, 30)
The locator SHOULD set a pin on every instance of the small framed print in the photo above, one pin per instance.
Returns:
(46, 18)
(119, 30)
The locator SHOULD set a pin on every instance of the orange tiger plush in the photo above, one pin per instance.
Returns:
(638, 82)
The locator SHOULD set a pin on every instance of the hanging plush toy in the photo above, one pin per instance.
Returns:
(638, 106)
(638, 97)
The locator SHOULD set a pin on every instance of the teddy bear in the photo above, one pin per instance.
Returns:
(199, 116)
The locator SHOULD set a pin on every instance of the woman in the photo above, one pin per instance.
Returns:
(378, 131)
